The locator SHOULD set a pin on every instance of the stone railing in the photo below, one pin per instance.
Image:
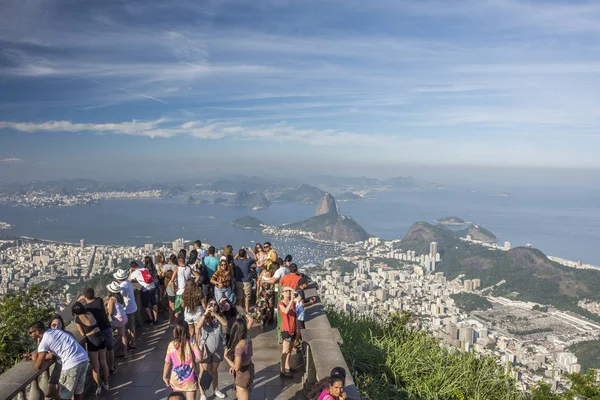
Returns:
(23, 382)
(322, 348)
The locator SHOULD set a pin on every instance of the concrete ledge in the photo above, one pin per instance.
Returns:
(322, 347)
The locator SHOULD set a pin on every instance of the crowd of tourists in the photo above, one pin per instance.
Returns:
(213, 301)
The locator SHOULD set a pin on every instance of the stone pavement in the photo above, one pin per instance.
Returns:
(139, 377)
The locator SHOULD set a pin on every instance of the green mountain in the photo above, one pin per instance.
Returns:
(245, 199)
(300, 194)
(529, 274)
(349, 196)
(332, 227)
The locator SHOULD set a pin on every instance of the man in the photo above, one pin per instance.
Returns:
(130, 305)
(243, 286)
(201, 252)
(211, 262)
(145, 279)
(181, 275)
(301, 302)
(95, 305)
(292, 278)
(279, 273)
(272, 255)
(71, 383)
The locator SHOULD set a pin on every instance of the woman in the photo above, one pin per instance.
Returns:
(335, 389)
(323, 387)
(222, 279)
(287, 313)
(181, 369)
(260, 256)
(115, 307)
(211, 335)
(160, 264)
(265, 299)
(192, 308)
(231, 313)
(96, 347)
(239, 357)
(149, 264)
(57, 322)
(170, 291)
(228, 251)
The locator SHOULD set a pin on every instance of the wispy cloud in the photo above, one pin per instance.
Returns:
(163, 128)
(11, 160)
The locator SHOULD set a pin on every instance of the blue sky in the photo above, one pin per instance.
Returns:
(154, 89)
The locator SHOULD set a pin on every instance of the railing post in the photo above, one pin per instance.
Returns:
(35, 393)
(44, 381)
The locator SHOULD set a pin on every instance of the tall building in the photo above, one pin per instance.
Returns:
(178, 244)
(506, 245)
(433, 249)
(148, 247)
(82, 243)
(468, 285)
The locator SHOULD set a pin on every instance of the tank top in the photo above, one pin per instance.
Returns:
(245, 352)
(288, 321)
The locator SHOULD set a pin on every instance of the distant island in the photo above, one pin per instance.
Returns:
(349, 196)
(256, 200)
(249, 223)
(192, 200)
(450, 221)
(326, 226)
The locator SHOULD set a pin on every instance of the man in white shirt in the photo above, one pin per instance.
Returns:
(74, 358)
(180, 277)
(201, 252)
(130, 306)
(145, 279)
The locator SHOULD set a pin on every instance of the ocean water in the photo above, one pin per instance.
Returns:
(564, 223)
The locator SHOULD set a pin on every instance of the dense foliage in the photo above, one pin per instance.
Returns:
(17, 312)
(470, 302)
(391, 361)
(588, 354)
(388, 360)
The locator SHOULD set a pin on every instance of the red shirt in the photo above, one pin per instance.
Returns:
(288, 321)
(290, 280)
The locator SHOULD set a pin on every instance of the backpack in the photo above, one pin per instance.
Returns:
(146, 275)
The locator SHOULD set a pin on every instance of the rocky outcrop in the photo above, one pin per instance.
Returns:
(327, 205)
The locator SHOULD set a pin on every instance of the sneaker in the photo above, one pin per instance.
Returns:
(98, 390)
(219, 394)
(114, 370)
(105, 386)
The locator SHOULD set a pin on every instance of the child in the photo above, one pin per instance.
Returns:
(301, 302)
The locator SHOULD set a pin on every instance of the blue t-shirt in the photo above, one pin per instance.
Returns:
(242, 269)
(211, 263)
(299, 308)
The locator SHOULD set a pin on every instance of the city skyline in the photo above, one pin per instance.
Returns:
(107, 90)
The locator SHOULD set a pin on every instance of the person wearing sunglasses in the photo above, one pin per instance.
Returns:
(74, 359)
(213, 325)
(223, 280)
(56, 322)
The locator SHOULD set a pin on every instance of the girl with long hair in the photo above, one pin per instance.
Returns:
(160, 263)
(181, 362)
(170, 291)
(223, 280)
(192, 308)
(96, 346)
(260, 256)
(213, 326)
(115, 307)
(239, 357)
(265, 299)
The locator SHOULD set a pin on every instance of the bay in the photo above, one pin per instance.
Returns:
(564, 223)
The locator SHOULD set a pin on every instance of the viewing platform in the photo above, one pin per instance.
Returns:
(139, 376)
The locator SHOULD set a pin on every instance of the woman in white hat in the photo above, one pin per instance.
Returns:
(115, 307)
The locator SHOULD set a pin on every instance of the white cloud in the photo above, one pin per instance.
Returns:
(11, 160)
(163, 128)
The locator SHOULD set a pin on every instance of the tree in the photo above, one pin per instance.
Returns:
(17, 312)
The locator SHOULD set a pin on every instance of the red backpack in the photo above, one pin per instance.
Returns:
(146, 275)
